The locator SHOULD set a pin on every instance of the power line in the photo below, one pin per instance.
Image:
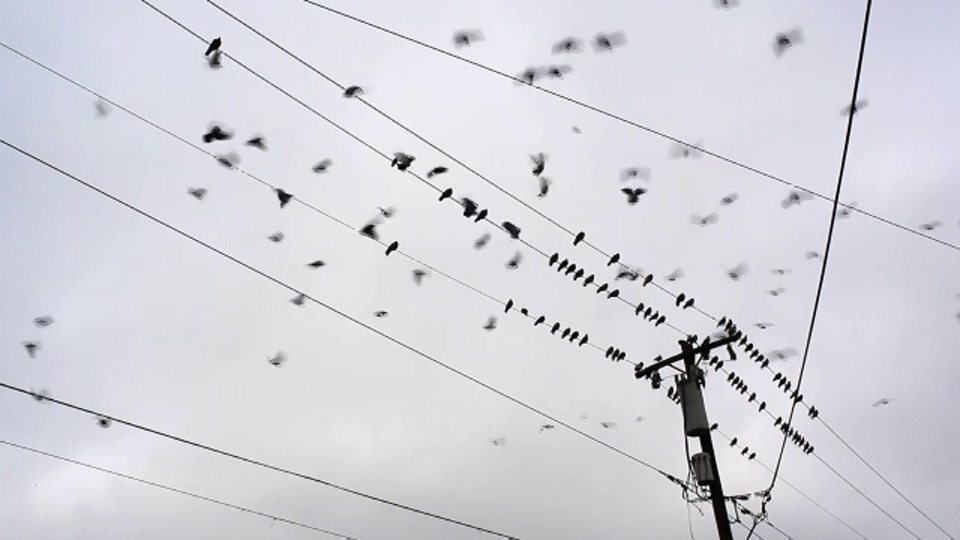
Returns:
(178, 491)
(632, 123)
(336, 311)
(261, 464)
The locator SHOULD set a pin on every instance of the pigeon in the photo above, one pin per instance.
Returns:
(675, 275)
(628, 274)
(102, 108)
(546, 427)
(481, 215)
(568, 45)
(608, 425)
(544, 187)
(931, 225)
(729, 199)
(392, 247)
(847, 210)
(680, 298)
(703, 221)
(557, 72)
(278, 359)
(499, 441)
(323, 166)
(539, 163)
(228, 160)
(528, 76)
(574, 336)
(635, 173)
(589, 280)
(563, 264)
(217, 133)
(257, 142)
(794, 198)
(882, 401)
(776, 292)
(763, 325)
(299, 300)
(402, 161)
(856, 107)
(578, 274)
(440, 169)
(43, 321)
(387, 212)
(508, 306)
(213, 46)
(380, 314)
(515, 261)
(276, 237)
(465, 38)
(481, 242)
(579, 238)
(737, 271)
(785, 40)
(215, 60)
(633, 194)
(418, 276)
(606, 42)
(511, 229)
(681, 150)
(584, 340)
(491, 324)
(104, 422)
(688, 304)
(602, 288)
(647, 280)
(469, 207)
(317, 264)
(447, 193)
(540, 320)
(32, 347)
(197, 193)
(811, 255)
(352, 91)
(614, 293)
(284, 197)
(733, 442)
(370, 231)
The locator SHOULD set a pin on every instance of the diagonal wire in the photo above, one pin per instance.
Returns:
(632, 123)
(177, 491)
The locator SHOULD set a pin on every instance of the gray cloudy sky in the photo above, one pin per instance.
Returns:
(152, 328)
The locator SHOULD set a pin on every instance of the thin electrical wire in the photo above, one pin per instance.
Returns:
(251, 461)
(632, 123)
(178, 491)
(336, 311)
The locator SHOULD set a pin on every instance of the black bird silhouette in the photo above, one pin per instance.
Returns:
(540, 320)
(544, 187)
(440, 169)
(565, 333)
(563, 264)
(215, 60)
(31, 347)
(628, 274)
(856, 107)
(584, 340)
(614, 259)
(469, 207)
(317, 264)
(465, 38)
(539, 163)
(43, 321)
(217, 133)
(785, 40)
(276, 237)
(547, 427)
(733, 442)
(555, 328)
(705, 220)
(614, 293)
(729, 199)
(392, 247)
(568, 45)
(589, 280)
(515, 261)
(508, 306)
(635, 173)
(511, 229)
(299, 300)
(633, 194)
(352, 91)
(762, 406)
(528, 75)
(525, 311)
(229, 160)
(570, 269)
(323, 166)
(277, 359)
(795, 198)
(258, 142)
(745, 450)
(104, 422)
(579, 238)
(602, 288)
(491, 324)
(370, 231)
(402, 161)
(606, 42)
(447, 193)
(689, 303)
(639, 309)
(930, 225)
(553, 259)
(284, 197)
(481, 216)
(213, 46)
(609, 352)
(681, 150)
(557, 72)
(647, 280)
(648, 313)
(418, 275)
(574, 336)
(680, 298)
(675, 275)
(380, 314)
(197, 193)
(737, 271)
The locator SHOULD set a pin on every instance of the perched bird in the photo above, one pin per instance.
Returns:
(217, 133)
(794, 198)
(584, 339)
(528, 75)
(882, 401)
(578, 274)
(570, 269)
(855, 107)
(544, 187)
(299, 300)
(465, 38)
(284, 197)
(43, 321)
(579, 237)
(786, 40)
(567, 45)
(352, 91)
(557, 72)
(481, 215)
(681, 150)
(776, 292)
(602, 288)
(733, 442)
(511, 229)
(258, 142)
(762, 406)
(31, 347)
(402, 161)
(469, 207)
(440, 169)
(608, 425)
(609, 352)
(317, 264)
(215, 60)
(276, 237)
(277, 359)
(574, 336)
(370, 231)
(213, 46)
(931, 225)
(380, 314)
(481, 242)
(447, 193)
(515, 261)
(565, 333)
(647, 280)
(539, 163)
(563, 264)
(680, 298)
(705, 220)
(323, 166)
(751, 456)
(846, 210)
(606, 42)
(633, 194)
(540, 320)
(104, 422)
(418, 275)
(392, 247)
(102, 108)
(614, 293)
(589, 280)
(628, 274)
(508, 306)
(491, 324)
(197, 193)
(729, 199)
(737, 271)
(675, 275)
(688, 304)
(555, 328)
(229, 160)
(635, 173)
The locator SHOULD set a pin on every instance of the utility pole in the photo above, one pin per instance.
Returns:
(696, 424)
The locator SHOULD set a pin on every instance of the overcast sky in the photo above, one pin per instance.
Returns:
(155, 329)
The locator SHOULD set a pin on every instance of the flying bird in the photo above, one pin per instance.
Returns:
(811, 255)
(276, 237)
(681, 150)
(606, 42)
(847, 210)
(402, 161)
(299, 300)
(40, 395)
(515, 261)
(763, 325)
(729, 199)
(440, 169)
(258, 142)
(882, 401)
(737, 271)
(380, 314)
(633, 194)
(539, 163)
(499, 441)
(511, 229)
(776, 292)
(102, 108)
(930, 225)
(352, 91)
(197, 193)
(528, 75)
(491, 324)
(213, 46)
(855, 107)
(43, 321)
(608, 425)
(481, 242)
(284, 197)
(278, 359)
(567, 45)
(469, 207)
(557, 72)
(786, 40)
(229, 160)
(780, 271)
(782, 354)
(31, 347)
(794, 198)
(215, 60)
(418, 275)
(323, 166)
(217, 133)
(465, 38)
(546, 427)
(392, 247)
(576, 130)
(635, 173)
(387, 212)
(370, 231)
(726, 4)
(675, 275)
(317, 264)
(704, 220)
(628, 274)
(544, 187)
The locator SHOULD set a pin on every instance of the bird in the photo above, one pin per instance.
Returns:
(370, 231)
(402, 161)
(418, 275)
(570, 269)
(726, 4)
(565, 333)
(539, 163)
(578, 274)
(352, 91)
(579, 237)
(277, 359)
(577, 130)
(317, 264)
(481, 215)
(628, 274)
(544, 187)
(745, 450)
(589, 280)
(647, 280)
(392, 247)
(465, 38)
(447, 193)
(737, 271)
(528, 75)
(733, 442)
(104, 422)
(514, 261)
(567, 45)
(102, 108)
(546, 427)
(491, 324)
(614, 293)
(217, 133)
(635, 173)
(284, 197)
(481, 242)
(276, 237)
(380, 314)
(703, 221)
(584, 339)
(794, 198)
(855, 107)
(751, 456)
(688, 304)
(929, 226)
(574, 336)
(776, 292)
(680, 298)
(882, 401)
(469, 207)
(553, 259)
(499, 441)
(785, 40)
(213, 46)
(228, 160)
(780, 271)
(440, 169)
(558, 71)
(606, 42)
(555, 328)
(31, 347)
(675, 275)
(811, 255)
(602, 288)
(43, 321)
(511, 229)
(847, 210)
(608, 425)
(387, 212)
(609, 352)
(540, 320)
(323, 166)
(563, 264)
(197, 193)
(508, 306)
(215, 60)
(299, 300)
(762, 406)
(683, 150)
(782, 354)
(40, 395)
(633, 194)
(729, 199)
(258, 142)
